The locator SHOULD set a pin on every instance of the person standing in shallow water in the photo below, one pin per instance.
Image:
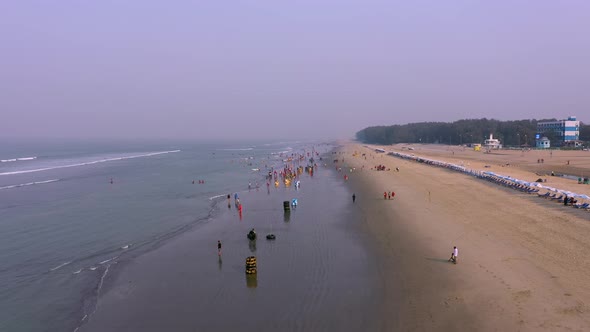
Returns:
(219, 247)
(353, 198)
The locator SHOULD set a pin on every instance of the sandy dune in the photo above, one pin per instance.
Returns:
(523, 262)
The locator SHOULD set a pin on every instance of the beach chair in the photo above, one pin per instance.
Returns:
(558, 198)
(582, 206)
(545, 195)
(552, 196)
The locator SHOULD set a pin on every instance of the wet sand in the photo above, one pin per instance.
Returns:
(318, 275)
(522, 260)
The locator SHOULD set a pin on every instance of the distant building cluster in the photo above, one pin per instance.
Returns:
(564, 132)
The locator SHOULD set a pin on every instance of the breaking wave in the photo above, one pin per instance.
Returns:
(28, 184)
(89, 163)
(59, 266)
(237, 149)
(17, 159)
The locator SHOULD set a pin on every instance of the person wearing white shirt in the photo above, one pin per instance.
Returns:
(454, 255)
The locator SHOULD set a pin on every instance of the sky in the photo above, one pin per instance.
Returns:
(285, 69)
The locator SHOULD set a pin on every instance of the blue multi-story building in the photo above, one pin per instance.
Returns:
(564, 131)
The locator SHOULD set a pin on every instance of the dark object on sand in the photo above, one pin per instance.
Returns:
(252, 234)
(539, 180)
(271, 237)
(286, 206)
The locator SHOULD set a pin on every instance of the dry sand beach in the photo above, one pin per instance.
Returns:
(523, 262)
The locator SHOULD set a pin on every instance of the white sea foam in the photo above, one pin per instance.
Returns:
(101, 282)
(89, 163)
(216, 196)
(283, 152)
(76, 272)
(107, 260)
(92, 268)
(28, 184)
(237, 149)
(59, 266)
(17, 159)
(126, 246)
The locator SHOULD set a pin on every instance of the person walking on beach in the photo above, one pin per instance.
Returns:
(353, 197)
(454, 255)
(219, 247)
(392, 194)
(385, 195)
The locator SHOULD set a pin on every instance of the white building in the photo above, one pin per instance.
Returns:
(564, 130)
(492, 143)
(543, 143)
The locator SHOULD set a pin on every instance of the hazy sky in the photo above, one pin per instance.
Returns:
(285, 69)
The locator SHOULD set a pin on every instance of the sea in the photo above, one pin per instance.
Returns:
(69, 210)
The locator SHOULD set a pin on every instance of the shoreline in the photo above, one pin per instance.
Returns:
(518, 268)
(321, 269)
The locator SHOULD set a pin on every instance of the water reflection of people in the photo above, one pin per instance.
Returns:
(252, 246)
(219, 262)
(287, 216)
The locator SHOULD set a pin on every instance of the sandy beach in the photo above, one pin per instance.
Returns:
(522, 263)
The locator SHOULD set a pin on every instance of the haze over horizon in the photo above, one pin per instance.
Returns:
(269, 70)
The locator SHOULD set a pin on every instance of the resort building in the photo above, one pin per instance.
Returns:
(563, 131)
(492, 143)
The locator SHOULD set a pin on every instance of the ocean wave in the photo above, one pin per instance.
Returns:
(28, 184)
(216, 196)
(108, 260)
(89, 163)
(281, 152)
(59, 266)
(237, 149)
(17, 159)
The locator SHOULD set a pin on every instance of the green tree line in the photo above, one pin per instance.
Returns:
(510, 133)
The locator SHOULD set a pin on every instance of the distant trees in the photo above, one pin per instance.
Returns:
(584, 132)
(510, 133)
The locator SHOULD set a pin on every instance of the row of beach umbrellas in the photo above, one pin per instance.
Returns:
(461, 168)
(538, 185)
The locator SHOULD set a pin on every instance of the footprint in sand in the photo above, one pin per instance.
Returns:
(522, 295)
(579, 308)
